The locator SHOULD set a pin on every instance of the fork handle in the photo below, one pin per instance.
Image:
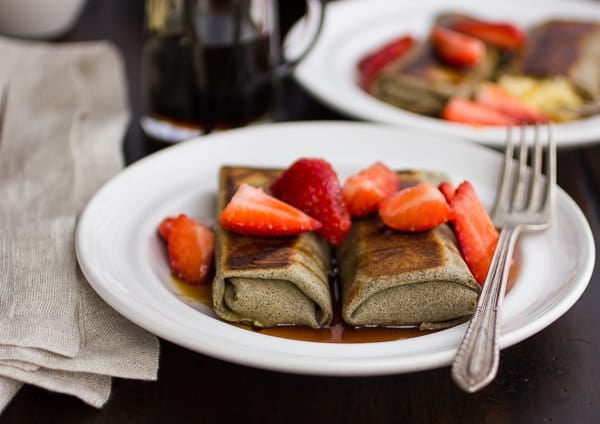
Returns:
(476, 362)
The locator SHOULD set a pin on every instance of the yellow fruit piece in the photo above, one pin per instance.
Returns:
(556, 97)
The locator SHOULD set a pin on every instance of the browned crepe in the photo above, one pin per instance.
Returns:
(392, 278)
(564, 48)
(269, 281)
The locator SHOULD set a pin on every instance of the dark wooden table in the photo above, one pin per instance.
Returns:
(552, 377)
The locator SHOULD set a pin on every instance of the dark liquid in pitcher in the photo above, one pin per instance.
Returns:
(209, 88)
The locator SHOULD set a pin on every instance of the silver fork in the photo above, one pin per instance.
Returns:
(525, 202)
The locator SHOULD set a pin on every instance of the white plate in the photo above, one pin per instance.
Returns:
(355, 27)
(123, 259)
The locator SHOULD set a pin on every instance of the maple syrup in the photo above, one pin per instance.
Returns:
(337, 331)
(202, 90)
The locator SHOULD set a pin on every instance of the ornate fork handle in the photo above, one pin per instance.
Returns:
(476, 362)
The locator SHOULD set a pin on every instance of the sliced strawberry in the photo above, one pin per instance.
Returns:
(165, 226)
(363, 192)
(500, 34)
(417, 208)
(373, 63)
(496, 97)
(253, 212)
(456, 48)
(475, 231)
(468, 112)
(312, 186)
(447, 190)
(190, 245)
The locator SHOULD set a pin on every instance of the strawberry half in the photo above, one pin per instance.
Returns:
(447, 190)
(164, 228)
(468, 112)
(477, 237)
(500, 34)
(373, 63)
(363, 192)
(190, 245)
(417, 208)
(456, 48)
(496, 97)
(253, 212)
(312, 186)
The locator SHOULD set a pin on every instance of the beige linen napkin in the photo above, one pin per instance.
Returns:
(61, 140)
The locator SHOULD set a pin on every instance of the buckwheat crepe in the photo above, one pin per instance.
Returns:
(393, 278)
(269, 281)
(563, 48)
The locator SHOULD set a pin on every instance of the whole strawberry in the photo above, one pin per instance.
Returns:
(311, 185)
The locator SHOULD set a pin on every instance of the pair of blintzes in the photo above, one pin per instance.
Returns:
(387, 278)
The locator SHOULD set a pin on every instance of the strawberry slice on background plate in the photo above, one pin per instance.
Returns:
(500, 34)
(312, 185)
(374, 62)
(456, 48)
(253, 212)
(417, 208)
(364, 191)
(469, 112)
(476, 234)
(496, 97)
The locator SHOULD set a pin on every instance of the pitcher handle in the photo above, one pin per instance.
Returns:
(315, 8)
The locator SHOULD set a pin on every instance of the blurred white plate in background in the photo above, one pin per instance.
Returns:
(354, 28)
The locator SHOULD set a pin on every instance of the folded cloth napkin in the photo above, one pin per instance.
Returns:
(61, 140)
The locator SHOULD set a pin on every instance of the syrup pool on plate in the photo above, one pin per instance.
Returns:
(337, 332)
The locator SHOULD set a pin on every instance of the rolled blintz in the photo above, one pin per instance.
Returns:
(269, 281)
(393, 278)
(563, 48)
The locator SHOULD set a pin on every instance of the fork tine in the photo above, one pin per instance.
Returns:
(518, 201)
(504, 188)
(536, 179)
(550, 171)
